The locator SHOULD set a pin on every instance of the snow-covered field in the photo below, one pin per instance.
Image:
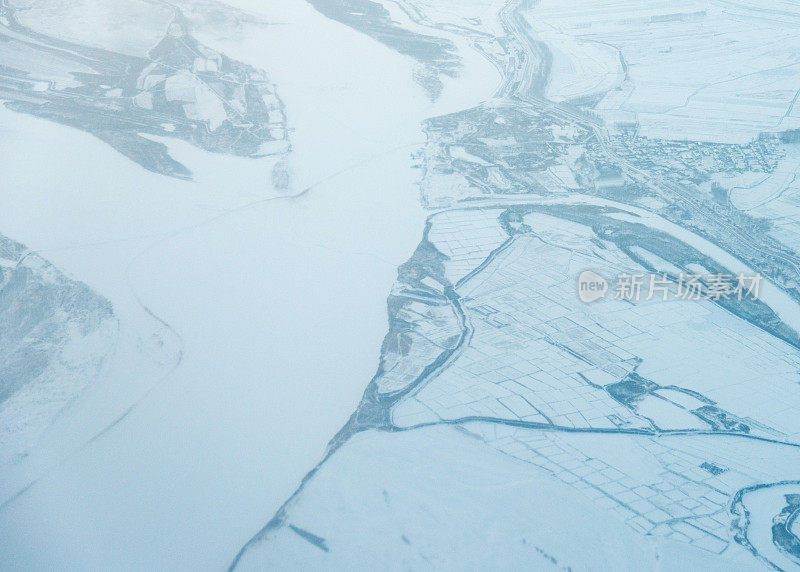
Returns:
(709, 72)
(208, 204)
(430, 502)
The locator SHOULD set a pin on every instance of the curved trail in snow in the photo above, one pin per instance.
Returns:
(162, 239)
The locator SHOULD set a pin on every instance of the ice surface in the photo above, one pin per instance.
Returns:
(226, 206)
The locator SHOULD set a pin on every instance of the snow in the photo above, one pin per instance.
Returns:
(762, 506)
(431, 502)
(130, 27)
(245, 345)
(580, 68)
(746, 83)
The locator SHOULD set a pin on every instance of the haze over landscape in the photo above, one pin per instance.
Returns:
(399, 284)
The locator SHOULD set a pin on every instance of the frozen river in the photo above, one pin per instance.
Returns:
(297, 285)
(254, 317)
